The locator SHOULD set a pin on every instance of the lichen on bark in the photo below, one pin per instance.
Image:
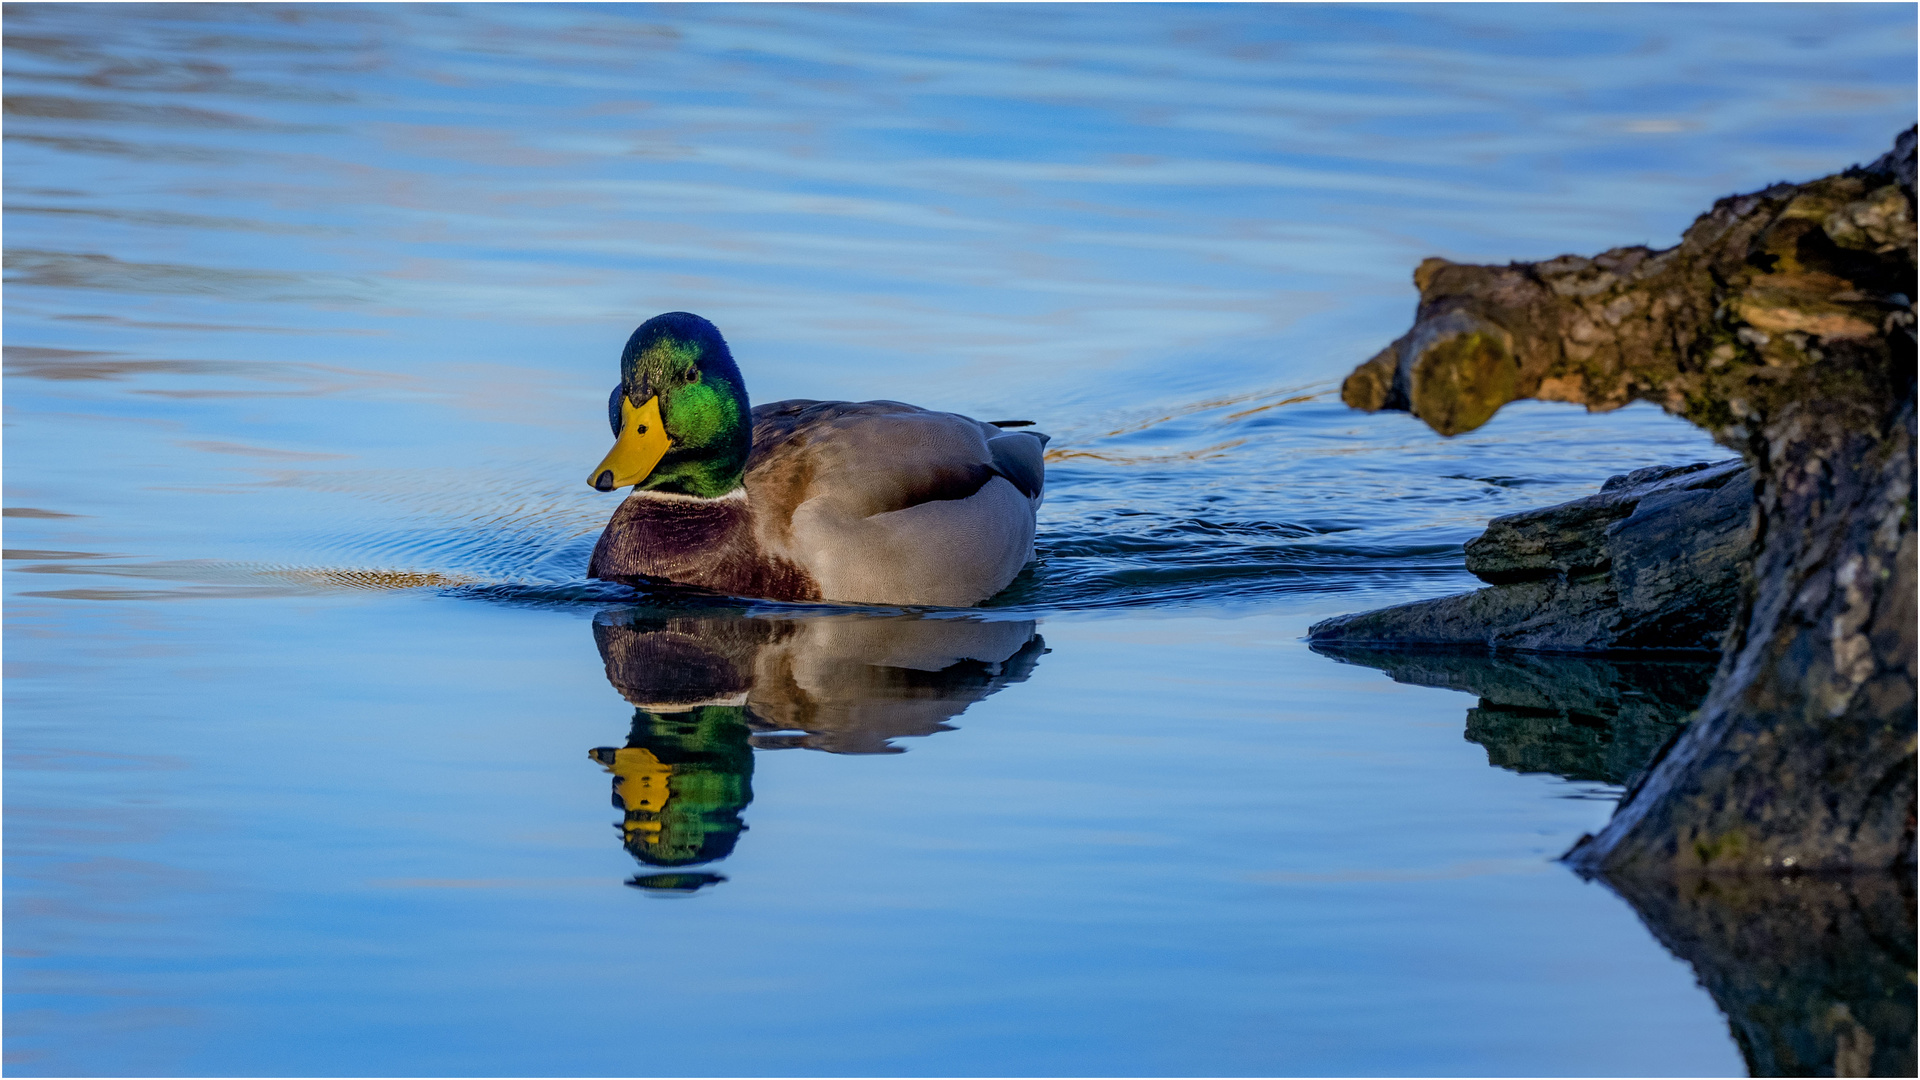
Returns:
(1782, 323)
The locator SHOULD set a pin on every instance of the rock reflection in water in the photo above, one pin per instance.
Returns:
(1815, 975)
(1584, 718)
(709, 688)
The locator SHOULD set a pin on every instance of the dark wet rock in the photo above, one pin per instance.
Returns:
(1576, 538)
(1653, 561)
(1782, 323)
(1582, 718)
(1814, 974)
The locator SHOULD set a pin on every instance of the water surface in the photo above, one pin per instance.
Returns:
(313, 718)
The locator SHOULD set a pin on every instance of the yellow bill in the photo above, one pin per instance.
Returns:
(641, 445)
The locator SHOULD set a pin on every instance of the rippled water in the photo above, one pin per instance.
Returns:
(312, 716)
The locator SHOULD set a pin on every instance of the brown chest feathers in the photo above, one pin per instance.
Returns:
(707, 543)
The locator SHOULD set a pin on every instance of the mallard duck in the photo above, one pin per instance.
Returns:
(870, 502)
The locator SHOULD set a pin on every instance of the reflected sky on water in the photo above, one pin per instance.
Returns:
(313, 719)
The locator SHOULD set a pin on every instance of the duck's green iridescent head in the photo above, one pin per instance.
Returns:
(680, 416)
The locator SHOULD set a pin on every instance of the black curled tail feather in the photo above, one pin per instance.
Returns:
(1020, 457)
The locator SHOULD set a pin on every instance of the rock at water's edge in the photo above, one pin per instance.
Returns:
(1653, 561)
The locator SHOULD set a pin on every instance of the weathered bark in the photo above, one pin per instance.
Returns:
(1783, 323)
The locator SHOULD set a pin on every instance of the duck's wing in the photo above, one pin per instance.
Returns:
(875, 457)
(887, 503)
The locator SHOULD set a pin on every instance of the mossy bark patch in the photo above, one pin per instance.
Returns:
(1461, 380)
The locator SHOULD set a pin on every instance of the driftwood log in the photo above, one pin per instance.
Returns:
(1783, 323)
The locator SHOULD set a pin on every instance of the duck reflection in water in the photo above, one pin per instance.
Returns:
(711, 687)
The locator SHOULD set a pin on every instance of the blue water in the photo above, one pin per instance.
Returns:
(311, 314)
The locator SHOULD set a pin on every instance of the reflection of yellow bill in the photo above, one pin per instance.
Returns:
(641, 445)
(641, 780)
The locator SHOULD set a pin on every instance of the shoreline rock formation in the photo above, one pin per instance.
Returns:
(1652, 562)
(1782, 323)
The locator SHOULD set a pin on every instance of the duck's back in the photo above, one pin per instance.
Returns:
(881, 502)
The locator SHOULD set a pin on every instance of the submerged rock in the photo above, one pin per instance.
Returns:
(1784, 324)
(1653, 561)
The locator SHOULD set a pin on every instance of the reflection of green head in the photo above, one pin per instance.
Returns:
(682, 779)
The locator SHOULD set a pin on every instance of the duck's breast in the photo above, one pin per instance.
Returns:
(707, 543)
